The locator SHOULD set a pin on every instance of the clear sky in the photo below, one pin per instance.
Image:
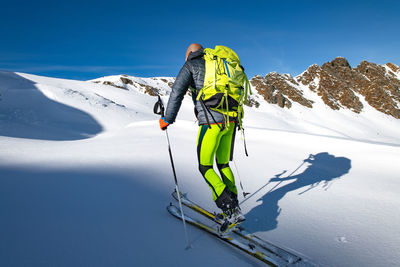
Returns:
(89, 39)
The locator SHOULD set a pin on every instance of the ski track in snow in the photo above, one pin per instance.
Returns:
(85, 179)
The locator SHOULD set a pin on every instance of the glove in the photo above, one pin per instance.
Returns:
(163, 123)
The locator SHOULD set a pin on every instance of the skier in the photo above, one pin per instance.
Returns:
(215, 136)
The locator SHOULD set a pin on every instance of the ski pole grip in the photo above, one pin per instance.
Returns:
(156, 108)
(159, 107)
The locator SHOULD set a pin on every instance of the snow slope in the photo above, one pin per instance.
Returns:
(85, 178)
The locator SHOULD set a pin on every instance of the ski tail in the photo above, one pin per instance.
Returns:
(289, 257)
(243, 245)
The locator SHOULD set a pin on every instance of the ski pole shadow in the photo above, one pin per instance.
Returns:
(323, 169)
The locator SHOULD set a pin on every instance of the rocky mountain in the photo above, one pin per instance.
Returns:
(338, 85)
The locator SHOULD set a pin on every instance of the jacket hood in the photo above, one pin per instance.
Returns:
(196, 54)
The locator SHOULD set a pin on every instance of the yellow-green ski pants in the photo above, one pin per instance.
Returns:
(212, 142)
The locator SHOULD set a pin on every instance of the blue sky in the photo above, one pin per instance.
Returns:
(89, 39)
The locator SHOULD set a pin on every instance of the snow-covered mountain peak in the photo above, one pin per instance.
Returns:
(151, 86)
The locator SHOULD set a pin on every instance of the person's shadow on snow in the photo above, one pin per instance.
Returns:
(323, 168)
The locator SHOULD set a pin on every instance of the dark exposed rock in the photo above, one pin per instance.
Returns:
(339, 86)
(252, 103)
(393, 67)
(149, 89)
(336, 85)
(280, 89)
(167, 82)
(112, 84)
(339, 62)
(382, 91)
(308, 77)
(269, 92)
(126, 81)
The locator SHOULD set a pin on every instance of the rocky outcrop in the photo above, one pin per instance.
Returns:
(167, 82)
(280, 89)
(149, 89)
(382, 91)
(126, 81)
(336, 79)
(112, 84)
(338, 85)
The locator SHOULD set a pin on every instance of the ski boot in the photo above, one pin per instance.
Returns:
(232, 215)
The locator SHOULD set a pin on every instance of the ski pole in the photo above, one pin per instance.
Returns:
(159, 110)
(240, 181)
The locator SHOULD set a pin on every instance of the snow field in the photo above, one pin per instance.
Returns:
(74, 195)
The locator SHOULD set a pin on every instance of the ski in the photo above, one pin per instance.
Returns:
(242, 244)
(226, 226)
(288, 257)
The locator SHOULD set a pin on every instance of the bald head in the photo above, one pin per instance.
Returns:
(193, 48)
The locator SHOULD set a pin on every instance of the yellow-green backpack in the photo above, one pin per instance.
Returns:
(226, 86)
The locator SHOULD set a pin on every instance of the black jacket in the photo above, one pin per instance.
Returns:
(191, 74)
